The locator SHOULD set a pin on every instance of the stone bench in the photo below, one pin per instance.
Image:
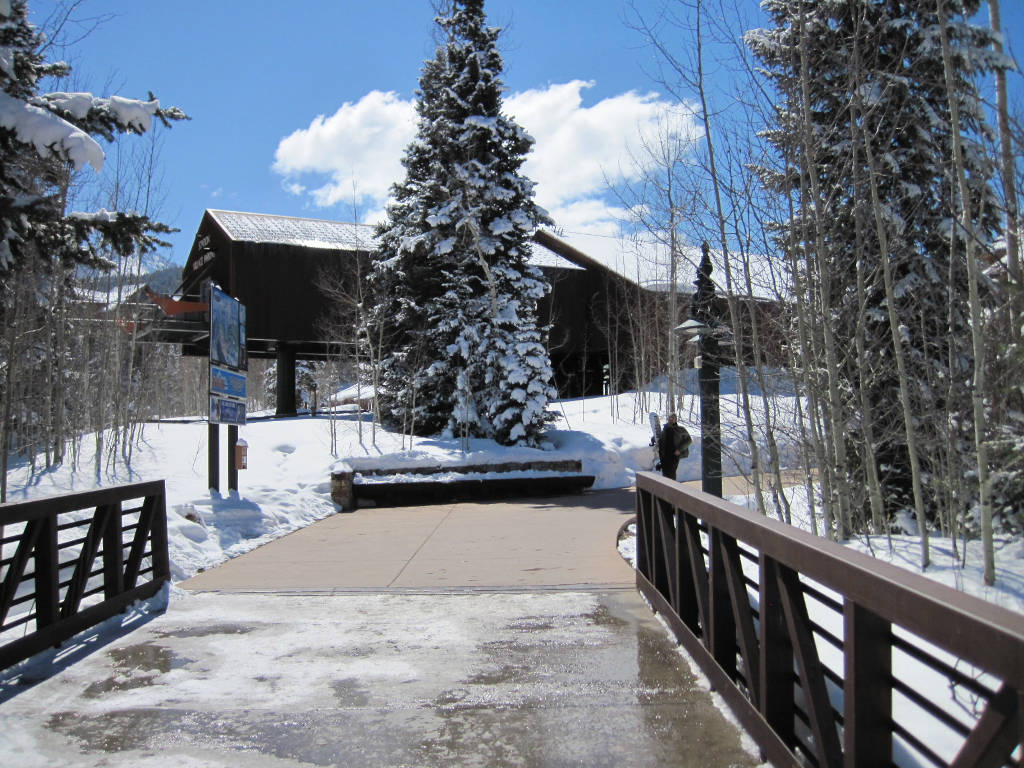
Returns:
(447, 482)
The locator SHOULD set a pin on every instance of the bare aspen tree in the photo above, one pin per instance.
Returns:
(869, 420)
(909, 417)
(688, 68)
(721, 226)
(977, 324)
(1006, 159)
(658, 204)
(779, 500)
(836, 431)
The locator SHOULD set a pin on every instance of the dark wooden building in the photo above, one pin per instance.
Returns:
(582, 313)
(277, 266)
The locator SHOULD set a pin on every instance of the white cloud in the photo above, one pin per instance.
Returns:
(577, 148)
(580, 149)
(588, 214)
(358, 148)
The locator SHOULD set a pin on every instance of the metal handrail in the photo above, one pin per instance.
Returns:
(689, 566)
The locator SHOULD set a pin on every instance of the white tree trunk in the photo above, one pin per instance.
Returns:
(977, 323)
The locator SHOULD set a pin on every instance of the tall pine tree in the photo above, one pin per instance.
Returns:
(865, 136)
(456, 297)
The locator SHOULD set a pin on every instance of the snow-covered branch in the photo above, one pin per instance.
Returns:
(49, 134)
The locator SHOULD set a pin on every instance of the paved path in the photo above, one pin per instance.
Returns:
(556, 542)
(498, 635)
(561, 542)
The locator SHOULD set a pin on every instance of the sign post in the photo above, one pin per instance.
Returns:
(228, 366)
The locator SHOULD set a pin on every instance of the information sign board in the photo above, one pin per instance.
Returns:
(224, 411)
(227, 383)
(227, 331)
(228, 360)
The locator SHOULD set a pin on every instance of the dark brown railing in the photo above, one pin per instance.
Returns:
(70, 562)
(827, 656)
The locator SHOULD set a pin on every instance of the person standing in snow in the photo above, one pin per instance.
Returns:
(673, 445)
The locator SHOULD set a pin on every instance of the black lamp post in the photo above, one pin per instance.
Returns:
(705, 326)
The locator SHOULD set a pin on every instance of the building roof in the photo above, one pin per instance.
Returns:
(335, 235)
(290, 230)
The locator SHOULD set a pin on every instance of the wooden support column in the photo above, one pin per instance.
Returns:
(285, 379)
(232, 464)
(213, 458)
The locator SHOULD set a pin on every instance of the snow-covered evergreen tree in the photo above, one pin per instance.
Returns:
(42, 135)
(864, 130)
(456, 296)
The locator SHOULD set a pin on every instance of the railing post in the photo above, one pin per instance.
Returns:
(158, 537)
(663, 561)
(113, 553)
(642, 503)
(867, 692)
(776, 650)
(723, 626)
(688, 609)
(646, 536)
(47, 574)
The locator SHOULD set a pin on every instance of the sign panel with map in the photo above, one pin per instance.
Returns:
(228, 360)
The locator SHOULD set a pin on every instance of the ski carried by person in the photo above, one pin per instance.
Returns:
(655, 439)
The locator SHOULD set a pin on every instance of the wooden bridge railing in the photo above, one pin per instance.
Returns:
(827, 656)
(70, 562)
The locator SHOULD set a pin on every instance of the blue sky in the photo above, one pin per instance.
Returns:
(251, 74)
(303, 109)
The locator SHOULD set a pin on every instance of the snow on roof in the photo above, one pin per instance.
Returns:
(645, 262)
(289, 230)
(542, 257)
(323, 233)
(109, 298)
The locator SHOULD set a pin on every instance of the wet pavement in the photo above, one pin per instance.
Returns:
(473, 679)
(411, 675)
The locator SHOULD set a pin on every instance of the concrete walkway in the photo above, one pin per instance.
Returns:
(562, 542)
(500, 635)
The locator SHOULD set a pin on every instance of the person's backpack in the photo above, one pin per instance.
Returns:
(685, 450)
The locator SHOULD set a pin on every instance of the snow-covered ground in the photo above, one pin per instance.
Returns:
(957, 568)
(287, 483)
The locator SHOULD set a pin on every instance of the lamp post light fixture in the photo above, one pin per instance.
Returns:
(704, 328)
